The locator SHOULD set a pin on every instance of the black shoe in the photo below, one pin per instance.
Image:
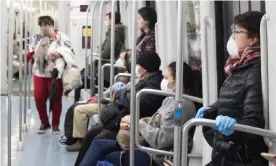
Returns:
(56, 130)
(43, 128)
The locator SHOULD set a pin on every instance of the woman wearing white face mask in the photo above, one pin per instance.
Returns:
(240, 98)
(156, 130)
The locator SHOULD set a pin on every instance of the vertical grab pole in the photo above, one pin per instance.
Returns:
(86, 44)
(25, 70)
(205, 83)
(10, 71)
(30, 63)
(20, 144)
(181, 30)
(92, 83)
(133, 93)
(112, 51)
(100, 87)
(264, 71)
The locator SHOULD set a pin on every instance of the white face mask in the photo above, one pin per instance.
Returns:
(164, 86)
(120, 62)
(137, 72)
(106, 23)
(232, 47)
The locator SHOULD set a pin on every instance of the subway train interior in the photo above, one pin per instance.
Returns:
(194, 32)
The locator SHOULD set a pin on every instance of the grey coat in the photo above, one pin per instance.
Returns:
(161, 137)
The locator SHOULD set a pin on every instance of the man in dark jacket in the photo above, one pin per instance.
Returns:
(150, 77)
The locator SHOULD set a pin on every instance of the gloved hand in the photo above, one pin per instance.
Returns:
(224, 124)
(54, 73)
(201, 111)
(117, 86)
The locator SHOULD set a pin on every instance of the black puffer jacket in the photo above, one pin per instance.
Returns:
(241, 98)
(149, 104)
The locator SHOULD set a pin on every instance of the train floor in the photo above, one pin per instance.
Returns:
(42, 150)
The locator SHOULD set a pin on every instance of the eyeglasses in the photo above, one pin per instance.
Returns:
(236, 31)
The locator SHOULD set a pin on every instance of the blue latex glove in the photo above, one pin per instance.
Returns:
(224, 124)
(117, 86)
(201, 111)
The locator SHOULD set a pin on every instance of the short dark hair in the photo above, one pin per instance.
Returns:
(150, 15)
(117, 17)
(188, 76)
(251, 22)
(46, 20)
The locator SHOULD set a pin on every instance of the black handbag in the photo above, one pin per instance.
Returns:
(109, 112)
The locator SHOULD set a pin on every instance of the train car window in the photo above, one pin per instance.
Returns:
(193, 32)
(151, 4)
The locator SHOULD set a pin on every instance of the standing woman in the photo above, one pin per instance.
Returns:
(147, 18)
(240, 99)
(47, 49)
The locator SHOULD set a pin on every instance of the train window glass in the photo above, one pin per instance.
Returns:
(244, 6)
(193, 33)
(151, 4)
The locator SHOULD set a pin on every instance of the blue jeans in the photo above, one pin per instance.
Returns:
(110, 151)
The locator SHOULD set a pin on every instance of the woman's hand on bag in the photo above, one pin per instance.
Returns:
(53, 56)
(146, 119)
(124, 126)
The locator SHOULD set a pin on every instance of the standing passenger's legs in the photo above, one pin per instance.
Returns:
(57, 104)
(41, 96)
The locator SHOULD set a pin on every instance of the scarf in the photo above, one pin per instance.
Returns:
(249, 54)
(42, 52)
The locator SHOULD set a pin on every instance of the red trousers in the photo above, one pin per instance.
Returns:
(42, 88)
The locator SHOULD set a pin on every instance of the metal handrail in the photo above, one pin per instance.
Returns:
(100, 84)
(105, 66)
(133, 95)
(92, 68)
(264, 73)
(10, 74)
(29, 65)
(156, 37)
(86, 49)
(137, 117)
(212, 123)
(20, 144)
(121, 75)
(112, 47)
(25, 71)
(205, 80)
(181, 31)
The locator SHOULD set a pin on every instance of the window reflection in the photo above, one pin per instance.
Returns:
(193, 33)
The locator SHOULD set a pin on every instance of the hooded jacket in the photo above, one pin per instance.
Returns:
(149, 103)
(161, 135)
(106, 46)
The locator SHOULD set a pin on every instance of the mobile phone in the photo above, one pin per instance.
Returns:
(269, 156)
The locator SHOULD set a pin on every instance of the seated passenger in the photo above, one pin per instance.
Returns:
(240, 98)
(105, 54)
(150, 77)
(157, 131)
